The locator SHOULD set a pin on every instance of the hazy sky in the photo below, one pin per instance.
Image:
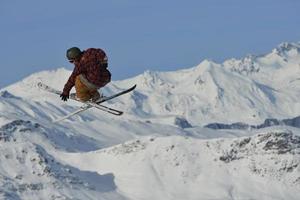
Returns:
(140, 34)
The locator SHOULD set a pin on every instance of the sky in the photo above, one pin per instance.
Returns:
(140, 35)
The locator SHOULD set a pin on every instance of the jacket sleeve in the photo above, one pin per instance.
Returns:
(71, 81)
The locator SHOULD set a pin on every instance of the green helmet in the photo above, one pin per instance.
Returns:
(73, 53)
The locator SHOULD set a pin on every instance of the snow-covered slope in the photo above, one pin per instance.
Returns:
(158, 149)
(265, 165)
(184, 168)
(28, 171)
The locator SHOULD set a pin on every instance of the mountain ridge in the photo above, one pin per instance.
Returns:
(159, 142)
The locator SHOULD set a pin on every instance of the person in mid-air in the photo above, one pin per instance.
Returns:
(89, 75)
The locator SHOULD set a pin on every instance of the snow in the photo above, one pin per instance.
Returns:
(179, 167)
(159, 148)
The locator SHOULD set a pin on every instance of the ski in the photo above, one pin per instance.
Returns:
(88, 105)
(105, 108)
(115, 95)
(85, 107)
(82, 108)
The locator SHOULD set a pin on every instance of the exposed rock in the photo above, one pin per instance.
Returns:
(182, 122)
(294, 122)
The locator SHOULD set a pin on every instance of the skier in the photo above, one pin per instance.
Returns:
(89, 75)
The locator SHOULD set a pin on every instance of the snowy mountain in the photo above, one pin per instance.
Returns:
(159, 149)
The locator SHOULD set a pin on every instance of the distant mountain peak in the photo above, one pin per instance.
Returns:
(287, 49)
(246, 65)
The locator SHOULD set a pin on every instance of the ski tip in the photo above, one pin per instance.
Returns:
(133, 87)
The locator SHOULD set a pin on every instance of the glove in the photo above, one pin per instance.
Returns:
(64, 97)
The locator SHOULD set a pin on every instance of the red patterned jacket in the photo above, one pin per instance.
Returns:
(92, 65)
